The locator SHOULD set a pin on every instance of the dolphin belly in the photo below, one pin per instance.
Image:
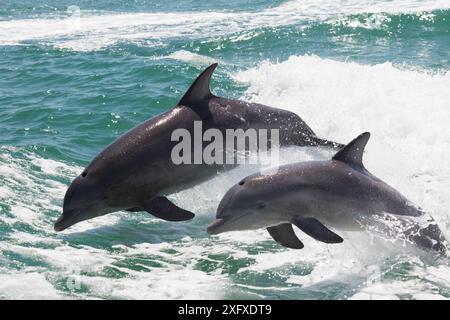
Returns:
(334, 210)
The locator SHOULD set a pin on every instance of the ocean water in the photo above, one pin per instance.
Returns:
(77, 74)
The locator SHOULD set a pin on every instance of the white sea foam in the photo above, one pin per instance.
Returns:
(194, 58)
(88, 31)
(27, 286)
(332, 8)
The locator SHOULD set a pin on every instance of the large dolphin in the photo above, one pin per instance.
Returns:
(136, 171)
(339, 193)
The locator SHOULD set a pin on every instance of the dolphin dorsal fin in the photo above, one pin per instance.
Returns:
(199, 90)
(352, 153)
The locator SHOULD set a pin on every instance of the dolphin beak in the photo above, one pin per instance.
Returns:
(59, 224)
(63, 223)
(214, 228)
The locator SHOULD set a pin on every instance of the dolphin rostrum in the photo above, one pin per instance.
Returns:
(314, 195)
(136, 172)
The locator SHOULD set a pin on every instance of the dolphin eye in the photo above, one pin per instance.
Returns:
(241, 182)
(260, 205)
(84, 174)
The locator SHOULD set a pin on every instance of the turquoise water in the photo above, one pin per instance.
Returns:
(77, 74)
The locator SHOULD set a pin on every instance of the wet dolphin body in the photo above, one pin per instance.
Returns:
(136, 172)
(338, 193)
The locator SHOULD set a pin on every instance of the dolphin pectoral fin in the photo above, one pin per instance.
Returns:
(284, 235)
(163, 208)
(315, 229)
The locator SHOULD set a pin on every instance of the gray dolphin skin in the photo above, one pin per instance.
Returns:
(339, 193)
(135, 172)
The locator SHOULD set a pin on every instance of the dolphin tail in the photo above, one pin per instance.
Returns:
(327, 143)
(429, 238)
(421, 230)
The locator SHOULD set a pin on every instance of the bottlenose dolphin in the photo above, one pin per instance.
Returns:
(136, 172)
(339, 193)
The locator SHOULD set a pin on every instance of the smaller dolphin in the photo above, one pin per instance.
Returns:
(339, 193)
